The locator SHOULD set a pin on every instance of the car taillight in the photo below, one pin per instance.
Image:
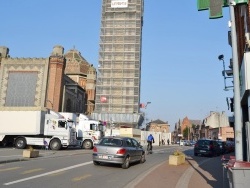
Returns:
(211, 146)
(196, 145)
(121, 151)
(94, 149)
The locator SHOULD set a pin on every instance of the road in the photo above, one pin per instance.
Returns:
(73, 168)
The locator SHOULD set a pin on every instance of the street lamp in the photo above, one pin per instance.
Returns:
(225, 72)
(147, 104)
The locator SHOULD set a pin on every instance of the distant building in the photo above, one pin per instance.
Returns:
(35, 83)
(158, 126)
(218, 126)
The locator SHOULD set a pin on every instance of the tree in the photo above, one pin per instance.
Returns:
(185, 133)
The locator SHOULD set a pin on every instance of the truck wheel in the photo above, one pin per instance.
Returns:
(20, 143)
(55, 144)
(87, 144)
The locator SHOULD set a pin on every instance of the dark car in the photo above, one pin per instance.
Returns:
(223, 146)
(118, 150)
(207, 147)
(230, 146)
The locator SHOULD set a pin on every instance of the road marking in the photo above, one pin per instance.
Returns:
(48, 173)
(33, 170)
(10, 156)
(56, 174)
(186, 176)
(81, 177)
(8, 169)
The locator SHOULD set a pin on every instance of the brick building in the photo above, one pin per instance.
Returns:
(34, 83)
(158, 126)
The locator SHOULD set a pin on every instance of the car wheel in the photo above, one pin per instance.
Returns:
(96, 163)
(143, 159)
(125, 164)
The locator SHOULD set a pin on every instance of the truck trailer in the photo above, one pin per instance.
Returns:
(36, 128)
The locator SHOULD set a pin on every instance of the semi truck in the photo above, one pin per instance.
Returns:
(89, 131)
(37, 128)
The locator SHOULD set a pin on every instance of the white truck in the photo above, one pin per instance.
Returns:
(36, 128)
(89, 131)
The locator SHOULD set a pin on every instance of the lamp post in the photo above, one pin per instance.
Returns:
(145, 114)
(224, 72)
(147, 104)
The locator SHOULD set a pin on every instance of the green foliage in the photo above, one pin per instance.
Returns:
(185, 133)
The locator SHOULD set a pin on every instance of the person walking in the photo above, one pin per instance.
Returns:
(168, 141)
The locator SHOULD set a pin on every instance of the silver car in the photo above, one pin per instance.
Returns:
(118, 150)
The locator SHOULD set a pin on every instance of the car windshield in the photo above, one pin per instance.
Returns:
(110, 142)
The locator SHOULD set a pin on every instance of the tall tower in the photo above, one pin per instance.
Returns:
(119, 69)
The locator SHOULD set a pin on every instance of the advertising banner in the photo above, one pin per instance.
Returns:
(119, 3)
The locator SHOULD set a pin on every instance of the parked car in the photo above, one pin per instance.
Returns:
(230, 146)
(207, 147)
(192, 143)
(118, 150)
(183, 142)
(223, 146)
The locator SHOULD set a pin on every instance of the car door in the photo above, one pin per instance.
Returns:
(131, 149)
(138, 150)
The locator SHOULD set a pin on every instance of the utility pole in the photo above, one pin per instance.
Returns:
(237, 107)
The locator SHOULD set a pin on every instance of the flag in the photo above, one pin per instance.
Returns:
(142, 105)
(103, 99)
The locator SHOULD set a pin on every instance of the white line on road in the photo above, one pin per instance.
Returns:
(48, 173)
(186, 176)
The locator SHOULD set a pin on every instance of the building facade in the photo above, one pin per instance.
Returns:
(119, 70)
(37, 83)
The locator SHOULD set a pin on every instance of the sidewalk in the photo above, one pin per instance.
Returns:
(202, 172)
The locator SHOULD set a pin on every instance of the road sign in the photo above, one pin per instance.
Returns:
(215, 6)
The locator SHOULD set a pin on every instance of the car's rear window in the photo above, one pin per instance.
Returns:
(203, 142)
(110, 142)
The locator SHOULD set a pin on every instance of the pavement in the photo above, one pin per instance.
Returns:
(205, 172)
(197, 171)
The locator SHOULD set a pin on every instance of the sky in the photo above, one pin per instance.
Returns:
(181, 74)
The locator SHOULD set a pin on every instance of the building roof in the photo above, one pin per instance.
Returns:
(75, 63)
(195, 122)
(158, 121)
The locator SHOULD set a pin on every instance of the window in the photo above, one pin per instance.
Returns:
(135, 143)
(111, 142)
(61, 124)
(129, 143)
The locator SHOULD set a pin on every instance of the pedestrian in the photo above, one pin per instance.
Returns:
(168, 141)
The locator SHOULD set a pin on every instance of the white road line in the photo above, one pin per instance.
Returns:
(48, 173)
(183, 181)
(11, 156)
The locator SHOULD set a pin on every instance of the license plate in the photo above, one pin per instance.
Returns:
(202, 151)
(104, 157)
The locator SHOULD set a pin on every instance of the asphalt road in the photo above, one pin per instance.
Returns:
(72, 168)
